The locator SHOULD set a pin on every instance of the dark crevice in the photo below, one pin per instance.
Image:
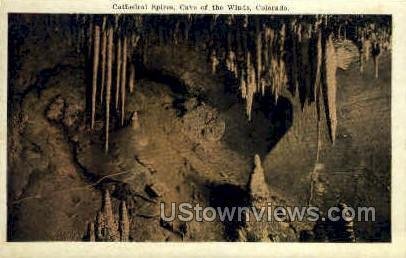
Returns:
(229, 196)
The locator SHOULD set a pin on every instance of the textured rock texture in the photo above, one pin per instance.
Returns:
(184, 137)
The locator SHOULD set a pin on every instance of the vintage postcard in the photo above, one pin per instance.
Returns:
(194, 128)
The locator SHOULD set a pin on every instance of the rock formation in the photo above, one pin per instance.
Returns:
(260, 226)
(109, 226)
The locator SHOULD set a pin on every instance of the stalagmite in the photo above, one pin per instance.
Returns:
(103, 61)
(92, 234)
(257, 185)
(123, 79)
(135, 122)
(111, 226)
(118, 73)
(108, 210)
(124, 223)
(108, 85)
(256, 228)
(96, 51)
(343, 229)
(101, 224)
(261, 228)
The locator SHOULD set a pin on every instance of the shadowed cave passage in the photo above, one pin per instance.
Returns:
(229, 196)
(271, 118)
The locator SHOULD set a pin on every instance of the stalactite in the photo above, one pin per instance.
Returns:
(367, 49)
(305, 63)
(359, 44)
(264, 57)
(96, 52)
(176, 33)
(231, 62)
(214, 62)
(187, 26)
(118, 72)
(131, 80)
(123, 79)
(269, 42)
(258, 55)
(108, 85)
(330, 86)
(294, 65)
(103, 58)
(317, 81)
(376, 52)
(78, 34)
(251, 85)
(243, 84)
(83, 32)
(131, 83)
(90, 35)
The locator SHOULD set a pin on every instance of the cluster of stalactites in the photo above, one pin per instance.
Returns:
(265, 54)
(297, 56)
(111, 49)
(371, 41)
(263, 68)
(108, 226)
(254, 54)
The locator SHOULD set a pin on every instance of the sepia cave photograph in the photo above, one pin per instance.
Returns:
(147, 127)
